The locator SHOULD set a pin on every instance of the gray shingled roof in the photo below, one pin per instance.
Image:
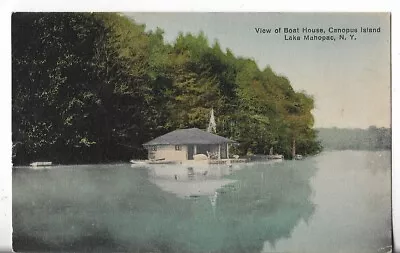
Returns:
(188, 136)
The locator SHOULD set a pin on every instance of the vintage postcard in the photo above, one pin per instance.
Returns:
(201, 132)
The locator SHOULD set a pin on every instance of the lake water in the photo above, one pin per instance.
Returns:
(334, 202)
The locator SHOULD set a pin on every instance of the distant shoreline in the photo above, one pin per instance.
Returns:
(372, 138)
(372, 150)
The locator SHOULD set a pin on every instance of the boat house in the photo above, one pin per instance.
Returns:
(185, 144)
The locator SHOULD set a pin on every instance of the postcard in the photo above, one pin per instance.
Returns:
(201, 132)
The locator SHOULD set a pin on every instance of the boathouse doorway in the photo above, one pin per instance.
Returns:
(190, 152)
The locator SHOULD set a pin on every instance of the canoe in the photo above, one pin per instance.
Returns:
(275, 156)
(39, 164)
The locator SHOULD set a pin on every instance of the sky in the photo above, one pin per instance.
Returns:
(349, 79)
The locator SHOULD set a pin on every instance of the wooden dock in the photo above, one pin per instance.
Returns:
(193, 162)
(227, 161)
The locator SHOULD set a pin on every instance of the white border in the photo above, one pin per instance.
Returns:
(395, 124)
(7, 6)
(204, 5)
(5, 132)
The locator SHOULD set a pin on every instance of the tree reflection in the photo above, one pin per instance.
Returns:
(122, 210)
(265, 204)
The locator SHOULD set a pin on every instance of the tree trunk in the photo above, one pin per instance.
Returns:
(294, 148)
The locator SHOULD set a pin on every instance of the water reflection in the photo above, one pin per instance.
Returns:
(270, 202)
(232, 209)
(250, 204)
(191, 182)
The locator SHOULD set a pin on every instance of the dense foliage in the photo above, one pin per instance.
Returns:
(92, 87)
(372, 138)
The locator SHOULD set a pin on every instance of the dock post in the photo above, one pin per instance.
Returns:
(227, 151)
(219, 151)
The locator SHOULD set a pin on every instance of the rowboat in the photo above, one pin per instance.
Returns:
(41, 164)
(273, 157)
(298, 157)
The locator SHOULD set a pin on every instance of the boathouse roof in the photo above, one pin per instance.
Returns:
(188, 136)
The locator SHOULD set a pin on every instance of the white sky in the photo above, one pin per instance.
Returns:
(350, 80)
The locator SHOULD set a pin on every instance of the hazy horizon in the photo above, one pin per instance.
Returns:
(350, 80)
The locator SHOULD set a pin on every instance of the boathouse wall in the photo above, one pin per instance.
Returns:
(168, 152)
(185, 152)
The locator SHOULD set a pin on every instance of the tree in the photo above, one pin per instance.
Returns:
(93, 87)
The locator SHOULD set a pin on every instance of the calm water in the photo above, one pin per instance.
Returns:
(334, 202)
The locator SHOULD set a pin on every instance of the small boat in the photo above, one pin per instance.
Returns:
(138, 161)
(41, 164)
(298, 157)
(273, 157)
